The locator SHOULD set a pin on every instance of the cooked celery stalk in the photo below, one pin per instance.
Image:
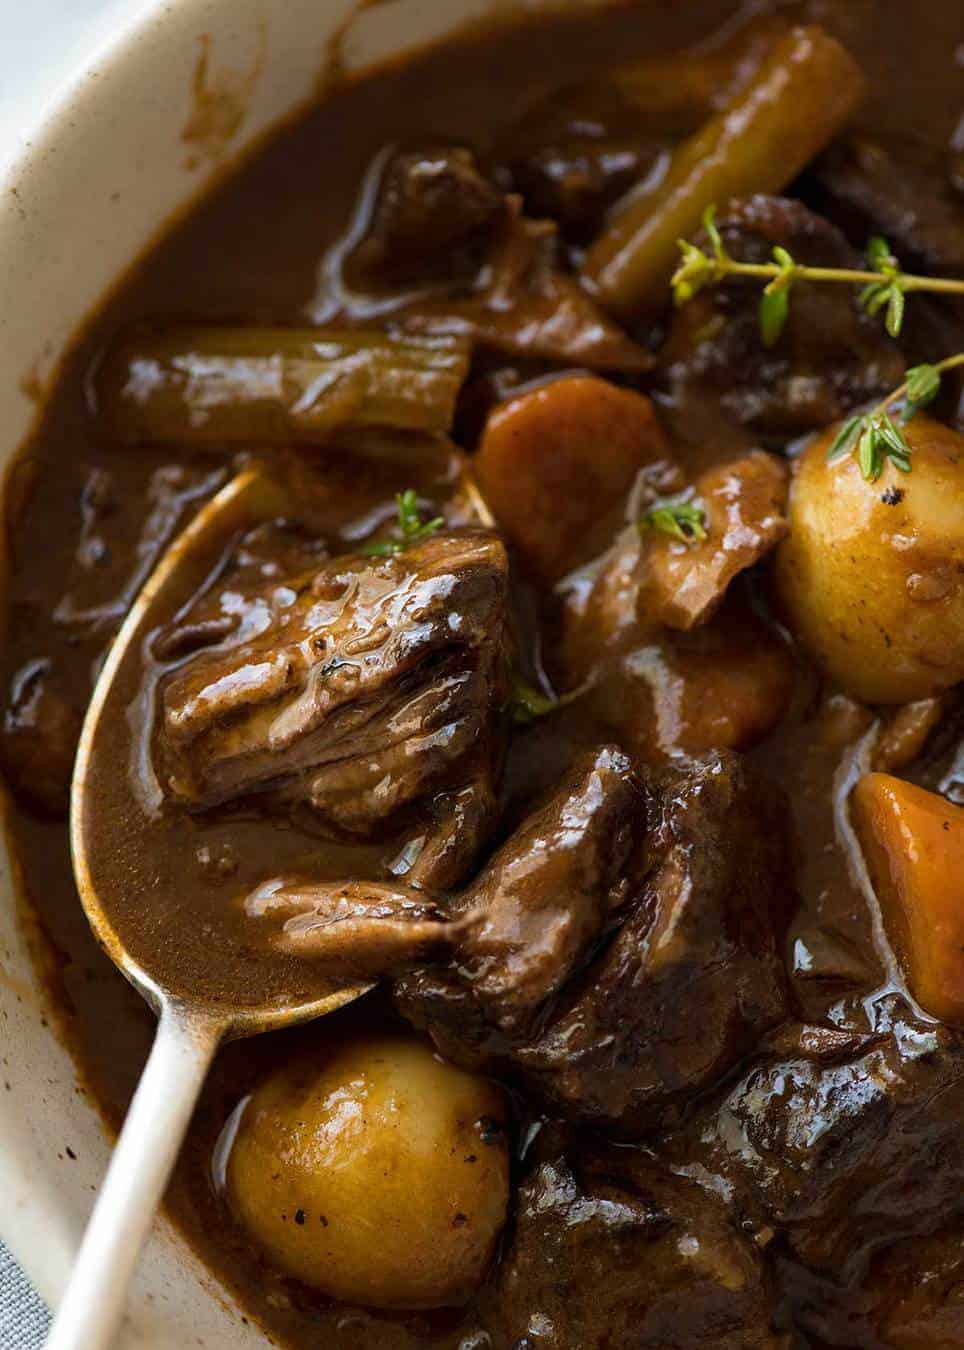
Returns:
(802, 94)
(273, 386)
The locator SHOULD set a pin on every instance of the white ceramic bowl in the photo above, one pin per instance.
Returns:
(84, 196)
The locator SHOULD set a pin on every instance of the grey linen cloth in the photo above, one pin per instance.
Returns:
(24, 1319)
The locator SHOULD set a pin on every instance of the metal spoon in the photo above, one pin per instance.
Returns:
(189, 1030)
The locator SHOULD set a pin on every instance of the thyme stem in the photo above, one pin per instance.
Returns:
(883, 284)
(948, 363)
(726, 267)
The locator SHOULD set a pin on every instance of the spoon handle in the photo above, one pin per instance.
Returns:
(94, 1301)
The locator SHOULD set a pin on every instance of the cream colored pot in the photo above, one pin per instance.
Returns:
(175, 96)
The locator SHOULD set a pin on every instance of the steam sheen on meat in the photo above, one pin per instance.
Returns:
(846, 1141)
(613, 1252)
(666, 996)
(354, 689)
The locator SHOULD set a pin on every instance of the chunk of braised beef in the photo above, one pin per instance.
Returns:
(514, 936)
(576, 179)
(683, 975)
(610, 1251)
(433, 211)
(902, 189)
(576, 151)
(38, 739)
(649, 580)
(524, 304)
(551, 892)
(364, 930)
(845, 1141)
(830, 358)
(355, 689)
(693, 977)
(918, 1291)
(443, 251)
(536, 912)
(911, 1299)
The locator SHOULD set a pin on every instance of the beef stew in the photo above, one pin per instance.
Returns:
(596, 699)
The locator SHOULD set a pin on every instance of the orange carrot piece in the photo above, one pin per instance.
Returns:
(555, 465)
(913, 841)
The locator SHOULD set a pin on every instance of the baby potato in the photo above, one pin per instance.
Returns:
(871, 576)
(374, 1172)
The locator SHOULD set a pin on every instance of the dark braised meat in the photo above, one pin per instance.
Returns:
(363, 929)
(444, 252)
(575, 180)
(911, 1299)
(613, 1252)
(515, 935)
(525, 305)
(356, 688)
(830, 357)
(548, 895)
(38, 739)
(918, 1287)
(694, 976)
(901, 189)
(536, 911)
(577, 151)
(846, 1142)
(682, 988)
(649, 580)
(433, 205)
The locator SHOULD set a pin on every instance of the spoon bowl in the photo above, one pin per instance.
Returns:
(124, 850)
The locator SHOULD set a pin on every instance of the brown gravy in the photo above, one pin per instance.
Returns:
(251, 252)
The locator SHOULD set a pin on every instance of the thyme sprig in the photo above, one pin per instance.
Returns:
(525, 702)
(680, 517)
(410, 528)
(884, 285)
(876, 436)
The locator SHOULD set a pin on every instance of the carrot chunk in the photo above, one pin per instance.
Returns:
(555, 465)
(913, 841)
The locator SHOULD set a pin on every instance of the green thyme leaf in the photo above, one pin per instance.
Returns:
(893, 438)
(694, 272)
(409, 530)
(886, 289)
(773, 312)
(875, 296)
(526, 702)
(681, 519)
(878, 439)
(879, 255)
(923, 386)
(844, 440)
(895, 311)
(713, 233)
(868, 458)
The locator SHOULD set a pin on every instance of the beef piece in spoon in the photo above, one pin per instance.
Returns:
(353, 691)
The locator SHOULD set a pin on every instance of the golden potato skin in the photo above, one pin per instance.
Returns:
(871, 576)
(374, 1172)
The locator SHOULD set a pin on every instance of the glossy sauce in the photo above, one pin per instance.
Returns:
(253, 253)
